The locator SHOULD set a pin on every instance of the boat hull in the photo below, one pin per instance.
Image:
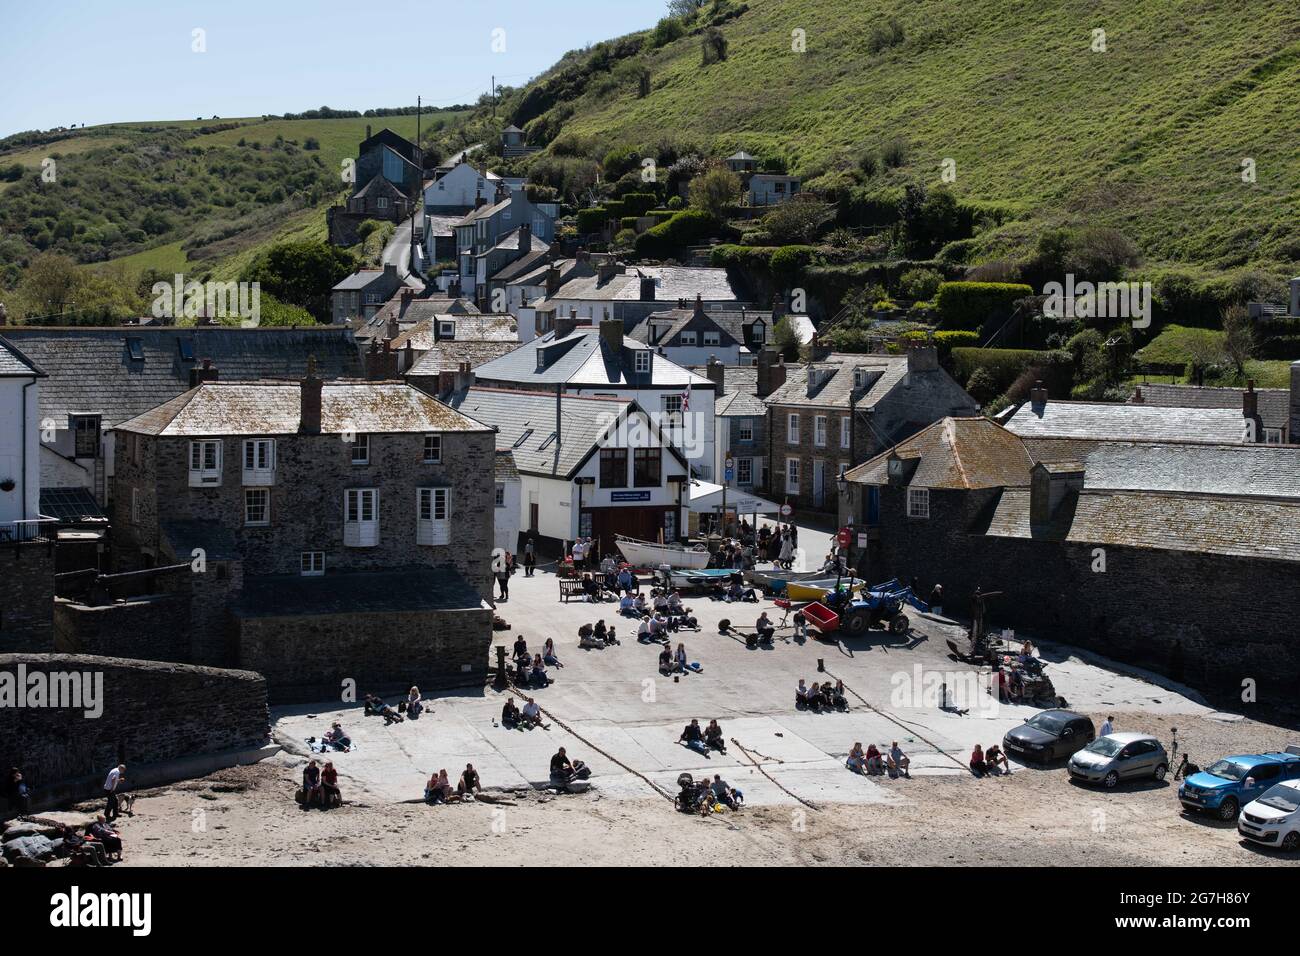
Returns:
(647, 554)
(816, 590)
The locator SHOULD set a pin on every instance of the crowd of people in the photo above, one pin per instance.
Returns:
(991, 762)
(872, 762)
(704, 796)
(823, 696)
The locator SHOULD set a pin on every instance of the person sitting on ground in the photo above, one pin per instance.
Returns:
(626, 582)
(875, 760)
(764, 627)
(389, 713)
(414, 704)
(531, 715)
(660, 627)
(600, 632)
(337, 739)
(857, 759)
(675, 607)
(639, 604)
(523, 666)
(898, 761)
(645, 631)
(538, 674)
(92, 852)
(20, 794)
(311, 792)
(801, 694)
(665, 661)
(509, 714)
(723, 793)
(661, 603)
(713, 737)
(839, 699)
(548, 653)
(108, 837)
(432, 792)
(562, 768)
(331, 796)
(521, 648)
(828, 696)
(978, 766)
(469, 783)
(996, 761)
(627, 605)
(814, 698)
(694, 738)
(374, 706)
(679, 659)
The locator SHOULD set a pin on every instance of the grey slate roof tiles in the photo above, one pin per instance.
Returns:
(1117, 422)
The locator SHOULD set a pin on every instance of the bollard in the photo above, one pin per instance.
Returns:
(821, 665)
(501, 665)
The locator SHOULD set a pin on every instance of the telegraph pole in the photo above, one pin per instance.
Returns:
(419, 180)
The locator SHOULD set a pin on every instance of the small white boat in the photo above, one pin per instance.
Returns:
(647, 554)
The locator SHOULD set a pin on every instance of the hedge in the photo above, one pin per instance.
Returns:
(627, 222)
(789, 262)
(749, 258)
(638, 204)
(967, 305)
(1006, 365)
(592, 220)
(944, 342)
(666, 239)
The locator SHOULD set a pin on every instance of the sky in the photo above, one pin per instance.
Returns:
(105, 61)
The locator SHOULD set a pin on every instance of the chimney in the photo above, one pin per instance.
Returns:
(715, 371)
(552, 279)
(464, 377)
(771, 371)
(309, 417)
(606, 269)
(1137, 396)
(1294, 310)
(525, 239)
(381, 362)
(1293, 424)
(446, 381)
(699, 306)
(1038, 396)
(1047, 489)
(1250, 401)
(922, 358)
(205, 373)
(393, 330)
(647, 288)
(817, 351)
(390, 272)
(367, 131)
(611, 330)
(778, 306)
(565, 324)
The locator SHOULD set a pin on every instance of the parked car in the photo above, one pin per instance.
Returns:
(1049, 736)
(1274, 818)
(1226, 785)
(1115, 757)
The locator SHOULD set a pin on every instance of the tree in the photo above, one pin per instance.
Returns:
(796, 222)
(301, 273)
(683, 8)
(785, 339)
(715, 190)
(1238, 336)
(713, 45)
(49, 284)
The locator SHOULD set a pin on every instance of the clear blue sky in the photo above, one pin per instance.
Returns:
(103, 61)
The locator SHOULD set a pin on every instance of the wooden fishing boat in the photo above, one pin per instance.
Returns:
(648, 554)
(817, 588)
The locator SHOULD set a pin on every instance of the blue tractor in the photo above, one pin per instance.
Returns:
(881, 606)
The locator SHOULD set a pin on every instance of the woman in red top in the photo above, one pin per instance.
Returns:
(329, 782)
(977, 764)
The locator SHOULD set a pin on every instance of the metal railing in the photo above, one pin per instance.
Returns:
(28, 531)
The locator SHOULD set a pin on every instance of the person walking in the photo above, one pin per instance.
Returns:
(530, 558)
(116, 777)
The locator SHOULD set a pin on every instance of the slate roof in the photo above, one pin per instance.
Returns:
(14, 363)
(671, 283)
(91, 370)
(833, 377)
(729, 324)
(525, 423)
(1119, 422)
(510, 243)
(1261, 471)
(1273, 403)
(475, 328)
(525, 264)
(447, 355)
(961, 453)
(274, 408)
(356, 592)
(435, 225)
(584, 358)
(358, 280)
(506, 469)
(1230, 526)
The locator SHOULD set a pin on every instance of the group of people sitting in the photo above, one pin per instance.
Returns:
(872, 762)
(530, 670)
(514, 718)
(589, 636)
(820, 696)
(703, 740)
(674, 662)
(97, 844)
(375, 707)
(564, 771)
(612, 579)
(320, 786)
(733, 590)
(438, 789)
(1009, 679)
(991, 762)
(663, 612)
(703, 795)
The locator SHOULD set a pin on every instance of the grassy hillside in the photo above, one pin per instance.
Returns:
(1148, 136)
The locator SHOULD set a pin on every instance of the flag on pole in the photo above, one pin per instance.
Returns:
(686, 397)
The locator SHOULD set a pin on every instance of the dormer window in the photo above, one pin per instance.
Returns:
(447, 330)
(541, 359)
(859, 377)
(186, 348)
(135, 348)
(712, 338)
(686, 338)
(642, 362)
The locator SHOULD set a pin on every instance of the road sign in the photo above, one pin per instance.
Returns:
(845, 537)
(730, 463)
(786, 511)
(728, 474)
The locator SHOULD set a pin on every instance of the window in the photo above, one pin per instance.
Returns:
(672, 409)
(372, 298)
(918, 502)
(1272, 436)
(135, 347)
(819, 431)
(205, 463)
(744, 471)
(257, 506)
(541, 359)
(383, 202)
(135, 506)
(745, 429)
(712, 338)
(312, 563)
(642, 361)
(859, 377)
(846, 436)
(259, 461)
(792, 476)
(758, 333)
(613, 468)
(501, 495)
(433, 516)
(446, 330)
(361, 517)
(361, 450)
(85, 430)
(792, 429)
(186, 348)
(670, 525)
(432, 449)
(646, 468)
(686, 338)
(523, 438)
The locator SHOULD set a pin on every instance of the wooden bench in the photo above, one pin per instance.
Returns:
(569, 587)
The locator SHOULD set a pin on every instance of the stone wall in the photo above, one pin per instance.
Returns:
(151, 627)
(26, 597)
(308, 658)
(151, 712)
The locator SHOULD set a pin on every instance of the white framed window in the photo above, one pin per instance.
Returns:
(433, 516)
(846, 433)
(501, 495)
(792, 429)
(361, 450)
(259, 461)
(792, 476)
(745, 429)
(642, 361)
(205, 463)
(918, 502)
(744, 471)
(257, 506)
(672, 410)
(1272, 436)
(686, 338)
(361, 517)
(372, 298)
(447, 330)
(819, 431)
(712, 338)
(859, 377)
(383, 202)
(432, 449)
(312, 564)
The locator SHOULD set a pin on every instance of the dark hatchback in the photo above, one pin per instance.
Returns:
(1051, 735)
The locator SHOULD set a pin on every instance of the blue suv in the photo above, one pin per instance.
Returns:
(1227, 785)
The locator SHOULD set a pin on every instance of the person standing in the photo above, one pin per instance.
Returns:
(1107, 727)
(530, 558)
(116, 777)
(503, 578)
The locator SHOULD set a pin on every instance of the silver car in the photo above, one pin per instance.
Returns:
(1115, 757)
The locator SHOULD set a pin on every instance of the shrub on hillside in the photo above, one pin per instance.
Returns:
(967, 305)
(592, 220)
(684, 228)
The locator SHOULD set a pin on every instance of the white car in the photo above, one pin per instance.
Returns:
(1273, 819)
